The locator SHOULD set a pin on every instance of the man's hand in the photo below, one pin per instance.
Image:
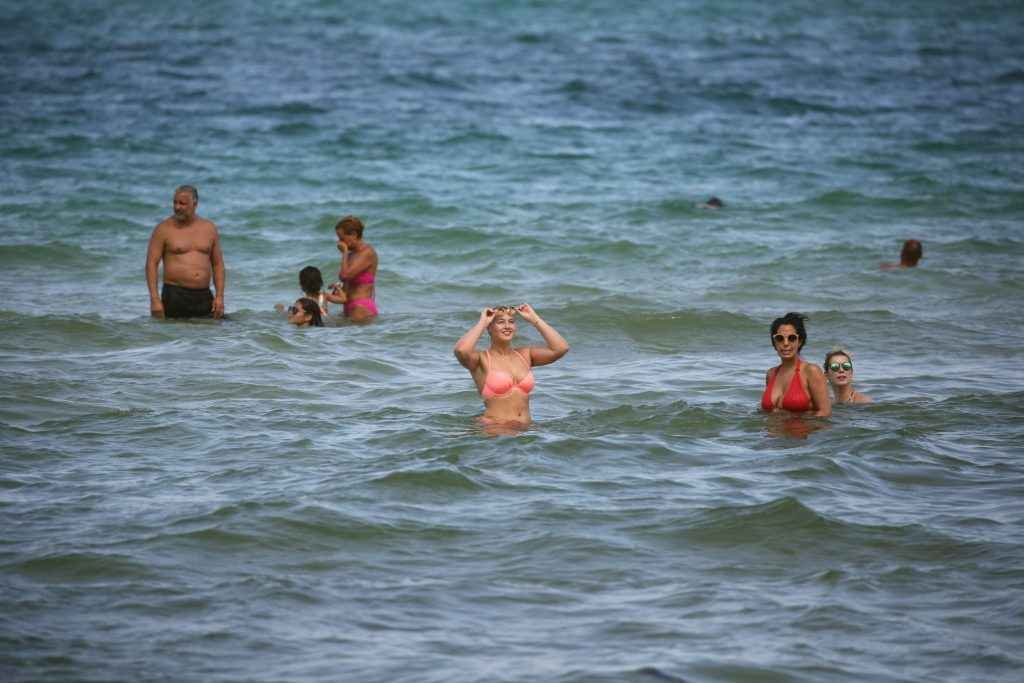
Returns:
(218, 306)
(156, 308)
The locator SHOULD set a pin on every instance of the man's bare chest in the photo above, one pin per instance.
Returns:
(190, 242)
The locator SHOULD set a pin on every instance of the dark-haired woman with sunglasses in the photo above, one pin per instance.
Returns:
(794, 386)
(839, 371)
(305, 313)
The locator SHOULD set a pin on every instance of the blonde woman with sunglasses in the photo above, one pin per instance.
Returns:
(839, 371)
(503, 374)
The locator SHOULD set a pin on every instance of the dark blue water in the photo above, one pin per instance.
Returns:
(247, 501)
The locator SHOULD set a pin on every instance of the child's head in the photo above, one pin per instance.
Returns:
(311, 280)
(305, 312)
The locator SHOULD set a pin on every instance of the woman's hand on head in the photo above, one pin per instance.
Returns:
(529, 315)
(487, 315)
(342, 247)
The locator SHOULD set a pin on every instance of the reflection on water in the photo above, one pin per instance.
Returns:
(782, 424)
(501, 428)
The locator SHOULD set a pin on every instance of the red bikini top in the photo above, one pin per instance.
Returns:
(795, 399)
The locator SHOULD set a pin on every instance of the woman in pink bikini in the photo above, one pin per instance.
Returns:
(794, 386)
(503, 374)
(358, 270)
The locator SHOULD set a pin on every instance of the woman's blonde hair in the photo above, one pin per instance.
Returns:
(837, 351)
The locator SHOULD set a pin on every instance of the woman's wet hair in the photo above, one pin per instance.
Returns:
(313, 308)
(797, 321)
(350, 225)
(311, 280)
(836, 352)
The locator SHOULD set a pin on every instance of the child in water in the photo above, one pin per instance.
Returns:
(311, 281)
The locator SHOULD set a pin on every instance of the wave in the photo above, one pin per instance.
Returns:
(1012, 76)
(433, 480)
(475, 137)
(70, 256)
(653, 328)
(295, 129)
(787, 527)
(81, 567)
(293, 108)
(416, 79)
(976, 245)
(532, 38)
(676, 417)
(848, 199)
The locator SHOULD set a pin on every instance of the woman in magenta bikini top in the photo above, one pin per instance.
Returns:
(504, 375)
(358, 270)
(794, 386)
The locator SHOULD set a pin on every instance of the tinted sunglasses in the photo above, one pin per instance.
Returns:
(292, 310)
(781, 338)
(836, 367)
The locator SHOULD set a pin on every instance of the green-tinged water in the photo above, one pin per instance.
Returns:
(245, 501)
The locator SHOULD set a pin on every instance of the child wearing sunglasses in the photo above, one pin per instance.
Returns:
(305, 312)
(311, 281)
(839, 371)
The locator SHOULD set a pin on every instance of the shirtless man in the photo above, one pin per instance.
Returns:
(190, 249)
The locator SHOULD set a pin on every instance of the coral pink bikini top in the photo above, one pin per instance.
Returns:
(499, 382)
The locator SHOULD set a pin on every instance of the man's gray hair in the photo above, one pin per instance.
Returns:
(189, 188)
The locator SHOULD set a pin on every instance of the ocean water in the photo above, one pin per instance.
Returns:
(242, 500)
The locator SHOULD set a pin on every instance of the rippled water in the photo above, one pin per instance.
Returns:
(241, 500)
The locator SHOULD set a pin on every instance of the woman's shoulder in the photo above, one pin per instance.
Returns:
(524, 353)
(811, 370)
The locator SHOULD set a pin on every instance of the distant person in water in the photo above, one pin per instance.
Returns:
(839, 372)
(504, 375)
(909, 256)
(712, 203)
(189, 247)
(311, 281)
(794, 386)
(358, 270)
(305, 312)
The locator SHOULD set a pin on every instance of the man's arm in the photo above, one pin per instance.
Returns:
(154, 253)
(219, 279)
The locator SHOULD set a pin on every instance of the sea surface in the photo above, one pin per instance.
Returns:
(245, 501)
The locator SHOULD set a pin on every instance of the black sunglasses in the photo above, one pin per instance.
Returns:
(781, 338)
(835, 367)
(292, 310)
